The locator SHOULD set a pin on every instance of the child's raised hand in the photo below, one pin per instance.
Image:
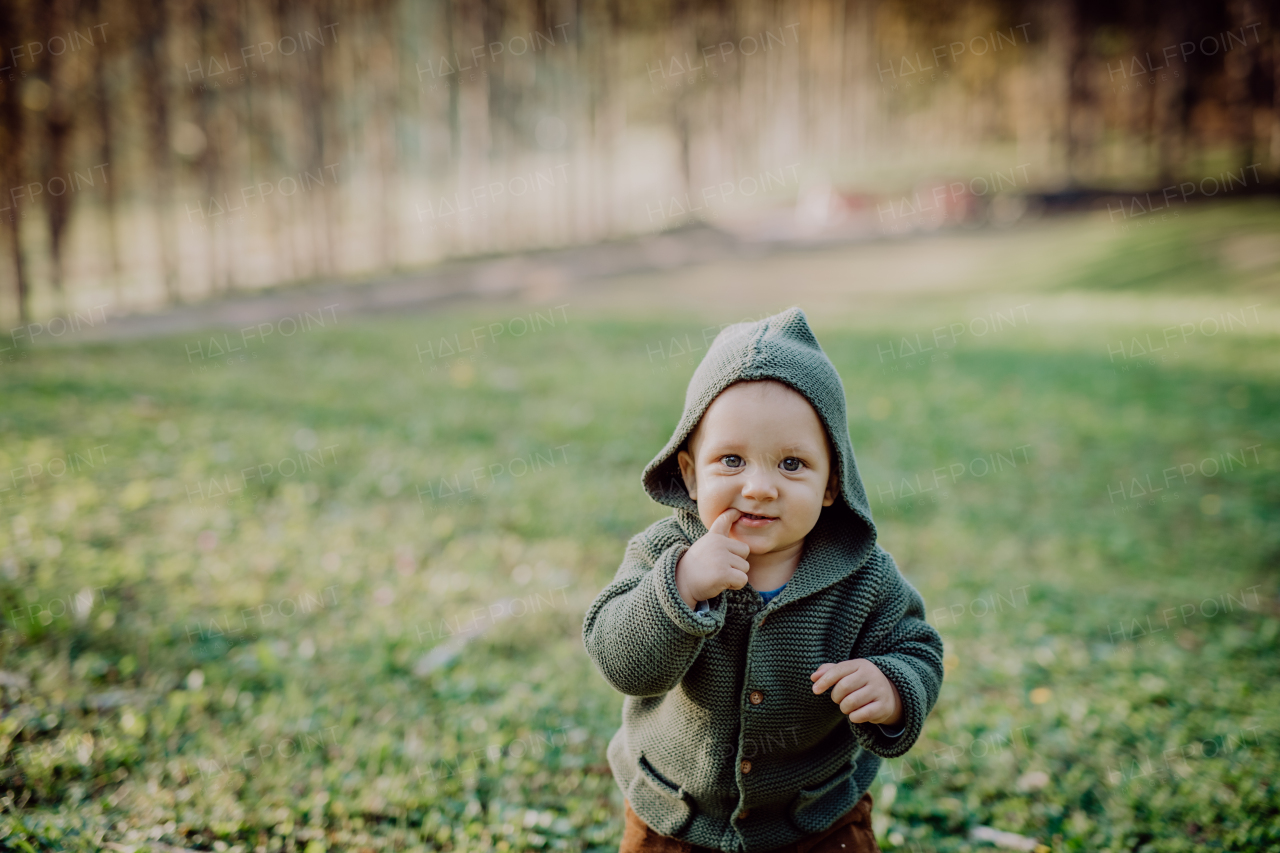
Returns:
(714, 563)
(861, 690)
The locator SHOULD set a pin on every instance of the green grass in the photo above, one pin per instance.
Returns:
(278, 668)
(1169, 246)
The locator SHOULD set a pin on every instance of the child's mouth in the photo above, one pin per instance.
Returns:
(752, 520)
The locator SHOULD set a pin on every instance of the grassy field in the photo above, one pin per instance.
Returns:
(326, 592)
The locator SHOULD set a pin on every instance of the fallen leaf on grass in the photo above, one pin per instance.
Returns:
(1007, 840)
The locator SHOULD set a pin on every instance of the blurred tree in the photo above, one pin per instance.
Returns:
(104, 111)
(12, 157)
(150, 41)
(55, 19)
(359, 135)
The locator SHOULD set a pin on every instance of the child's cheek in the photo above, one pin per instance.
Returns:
(713, 499)
(706, 509)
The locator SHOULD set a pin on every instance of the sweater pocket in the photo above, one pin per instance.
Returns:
(665, 807)
(814, 809)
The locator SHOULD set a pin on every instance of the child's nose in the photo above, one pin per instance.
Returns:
(759, 486)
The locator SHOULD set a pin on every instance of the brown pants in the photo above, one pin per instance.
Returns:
(850, 834)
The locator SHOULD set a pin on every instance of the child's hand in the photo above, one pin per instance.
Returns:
(714, 563)
(861, 690)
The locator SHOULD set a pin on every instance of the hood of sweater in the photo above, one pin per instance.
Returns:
(783, 348)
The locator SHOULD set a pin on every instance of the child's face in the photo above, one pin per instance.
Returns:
(761, 449)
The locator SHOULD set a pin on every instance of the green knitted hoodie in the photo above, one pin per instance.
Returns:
(723, 743)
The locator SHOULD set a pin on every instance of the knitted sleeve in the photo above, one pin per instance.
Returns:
(640, 633)
(908, 650)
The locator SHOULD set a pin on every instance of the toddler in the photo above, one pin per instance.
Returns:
(770, 651)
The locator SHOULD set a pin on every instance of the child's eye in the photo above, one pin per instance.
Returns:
(732, 461)
(791, 464)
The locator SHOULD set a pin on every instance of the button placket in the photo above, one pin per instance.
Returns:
(754, 697)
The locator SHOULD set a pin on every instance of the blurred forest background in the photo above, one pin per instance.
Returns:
(160, 151)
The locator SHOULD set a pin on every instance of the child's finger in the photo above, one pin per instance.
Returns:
(828, 678)
(817, 673)
(831, 676)
(741, 549)
(737, 579)
(864, 695)
(867, 713)
(724, 521)
(851, 683)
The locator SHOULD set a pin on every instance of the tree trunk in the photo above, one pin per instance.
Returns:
(1169, 117)
(55, 19)
(12, 171)
(210, 162)
(1239, 64)
(106, 154)
(153, 21)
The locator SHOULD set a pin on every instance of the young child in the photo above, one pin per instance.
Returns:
(770, 651)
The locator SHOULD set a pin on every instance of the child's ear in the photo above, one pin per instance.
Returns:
(688, 473)
(833, 488)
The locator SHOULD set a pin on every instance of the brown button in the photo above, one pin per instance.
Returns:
(756, 697)
(746, 766)
(743, 814)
